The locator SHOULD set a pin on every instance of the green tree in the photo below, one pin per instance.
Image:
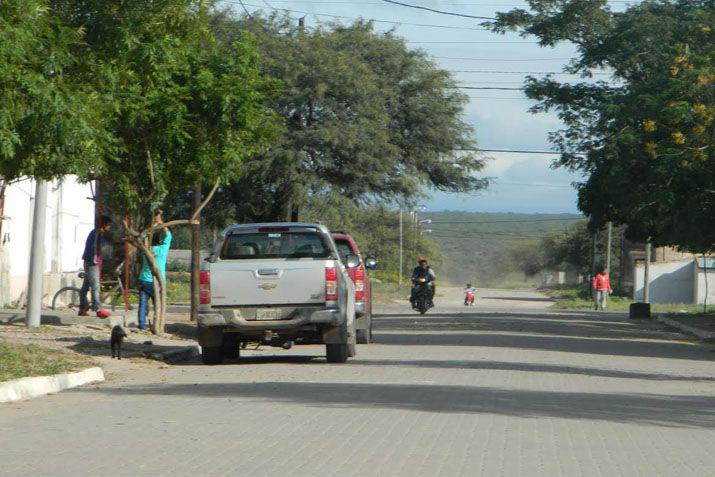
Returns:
(647, 136)
(184, 108)
(51, 122)
(363, 117)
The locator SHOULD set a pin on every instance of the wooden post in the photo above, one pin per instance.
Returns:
(195, 257)
(646, 273)
(608, 246)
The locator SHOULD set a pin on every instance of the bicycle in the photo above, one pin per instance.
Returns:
(111, 291)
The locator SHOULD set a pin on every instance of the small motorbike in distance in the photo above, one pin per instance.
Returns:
(469, 293)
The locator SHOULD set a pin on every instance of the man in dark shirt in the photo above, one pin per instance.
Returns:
(91, 270)
(423, 270)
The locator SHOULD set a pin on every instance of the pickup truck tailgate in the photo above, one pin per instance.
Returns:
(268, 282)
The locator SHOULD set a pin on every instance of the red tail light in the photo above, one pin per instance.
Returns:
(331, 284)
(205, 287)
(359, 284)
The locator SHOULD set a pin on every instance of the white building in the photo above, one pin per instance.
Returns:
(70, 217)
(678, 281)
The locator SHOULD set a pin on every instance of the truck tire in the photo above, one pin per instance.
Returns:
(230, 346)
(363, 336)
(212, 354)
(337, 353)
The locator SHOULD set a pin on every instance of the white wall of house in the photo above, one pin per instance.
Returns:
(69, 218)
(670, 282)
(704, 281)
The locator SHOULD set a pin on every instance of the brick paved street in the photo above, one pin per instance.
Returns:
(457, 392)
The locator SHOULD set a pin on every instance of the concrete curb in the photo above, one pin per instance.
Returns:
(28, 388)
(691, 330)
(177, 355)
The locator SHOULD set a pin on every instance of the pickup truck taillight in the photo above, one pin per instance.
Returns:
(205, 287)
(331, 284)
(359, 284)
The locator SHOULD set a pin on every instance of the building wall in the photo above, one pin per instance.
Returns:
(670, 282)
(69, 218)
(704, 281)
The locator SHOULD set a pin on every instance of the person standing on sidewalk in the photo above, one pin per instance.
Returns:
(601, 289)
(92, 260)
(160, 244)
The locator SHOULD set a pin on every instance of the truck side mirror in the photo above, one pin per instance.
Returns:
(352, 260)
(371, 263)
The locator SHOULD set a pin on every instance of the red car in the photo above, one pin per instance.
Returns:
(359, 275)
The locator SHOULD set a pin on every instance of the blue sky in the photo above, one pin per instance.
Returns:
(521, 183)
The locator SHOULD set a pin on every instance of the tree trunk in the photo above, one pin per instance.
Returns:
(195, 257)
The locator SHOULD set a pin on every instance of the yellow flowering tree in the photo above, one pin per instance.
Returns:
(646, 138)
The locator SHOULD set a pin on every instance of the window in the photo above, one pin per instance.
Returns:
(291, 244)
(343, 249)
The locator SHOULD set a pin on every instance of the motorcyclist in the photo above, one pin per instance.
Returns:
(423, 270)
(469, 290)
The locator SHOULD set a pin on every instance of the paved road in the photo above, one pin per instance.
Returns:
(514, 391)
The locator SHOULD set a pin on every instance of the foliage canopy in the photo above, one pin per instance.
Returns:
(646, 139)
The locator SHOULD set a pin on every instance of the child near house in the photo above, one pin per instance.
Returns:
(601, 285)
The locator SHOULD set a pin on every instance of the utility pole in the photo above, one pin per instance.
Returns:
(608, 245)
(195, 256)
(646, 273)
(37, 256)
(593, 254)
(399, 280)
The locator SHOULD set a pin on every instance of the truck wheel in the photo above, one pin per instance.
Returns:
(363, 336)
(212, 354)
(337, 353)
(230, 346)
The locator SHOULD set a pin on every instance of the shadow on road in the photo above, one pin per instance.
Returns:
(512, 298)
(529, 367)
(601, 346)
(662, 410)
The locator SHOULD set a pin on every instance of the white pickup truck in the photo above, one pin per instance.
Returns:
(277, 284)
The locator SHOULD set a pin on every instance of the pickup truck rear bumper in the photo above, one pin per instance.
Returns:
(299, 318)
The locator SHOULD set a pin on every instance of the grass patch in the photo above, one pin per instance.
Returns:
(178, 287)
(386, 293)
(574, 297)
(21, 361)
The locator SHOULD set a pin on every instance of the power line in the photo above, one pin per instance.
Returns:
(517, 151)
(490, 87)
(495, 42)
(498, 97)
(501, 59)
(522, 72)
(343, 17)
(525, 221)
(438, 11)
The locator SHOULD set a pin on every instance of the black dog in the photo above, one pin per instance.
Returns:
(118, 335)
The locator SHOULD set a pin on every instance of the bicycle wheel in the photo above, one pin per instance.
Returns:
(66, 298)
(118, 298)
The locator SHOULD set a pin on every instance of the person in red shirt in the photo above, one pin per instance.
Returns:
(601, 285)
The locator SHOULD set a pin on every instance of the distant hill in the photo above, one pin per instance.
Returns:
(478, 245)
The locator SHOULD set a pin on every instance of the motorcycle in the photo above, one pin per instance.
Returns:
(469, 298)
(422, 296)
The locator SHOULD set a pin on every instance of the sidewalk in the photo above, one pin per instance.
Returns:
(700, 326)
(90, 335)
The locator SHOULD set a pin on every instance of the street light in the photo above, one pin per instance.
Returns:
(424, 222)
(426, 231)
